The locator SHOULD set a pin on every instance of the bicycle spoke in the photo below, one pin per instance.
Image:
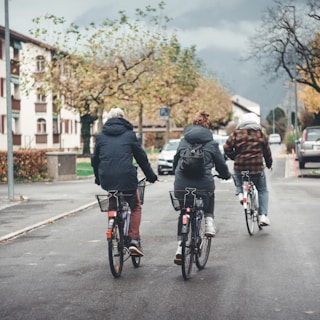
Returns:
(116, 251)
(187, 255)
(203, 247)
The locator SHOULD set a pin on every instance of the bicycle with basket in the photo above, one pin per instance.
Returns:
(195, 245)
(116, 204)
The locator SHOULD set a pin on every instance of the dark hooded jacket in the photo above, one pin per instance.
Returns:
(112, 161)
(197, 134)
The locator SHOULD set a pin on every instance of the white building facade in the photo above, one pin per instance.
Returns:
(36, 124)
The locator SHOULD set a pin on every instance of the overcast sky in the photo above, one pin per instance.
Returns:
(220, 30)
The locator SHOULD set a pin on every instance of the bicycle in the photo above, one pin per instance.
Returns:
(117, 205)
(250, 202)
(195, 245)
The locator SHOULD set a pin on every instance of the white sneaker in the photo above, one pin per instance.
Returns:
(264, 220)
(240, 198)
(210, 229)
(178, 258)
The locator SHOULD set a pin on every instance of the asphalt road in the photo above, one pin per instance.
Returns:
(60, 271)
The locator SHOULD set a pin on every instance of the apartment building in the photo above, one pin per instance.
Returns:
(36, 123)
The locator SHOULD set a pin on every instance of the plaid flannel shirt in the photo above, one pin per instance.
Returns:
(248, 148)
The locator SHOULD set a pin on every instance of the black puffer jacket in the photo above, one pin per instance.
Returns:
(112, 161)
(196, 134)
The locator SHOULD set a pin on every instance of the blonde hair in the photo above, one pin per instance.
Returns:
(201, 118)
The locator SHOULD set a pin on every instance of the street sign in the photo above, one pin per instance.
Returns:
(164, 113)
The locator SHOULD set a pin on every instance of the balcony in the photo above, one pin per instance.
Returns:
(40, 106)
(16, 104)
(16, 139)
(41, 138)
(15, 67)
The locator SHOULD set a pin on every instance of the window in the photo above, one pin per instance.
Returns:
(1, 49)
(2, 121)
(41, 126)
(39, 63)
(41, 97)
(2, 87)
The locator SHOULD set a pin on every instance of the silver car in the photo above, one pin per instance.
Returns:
(309, 146)
(165, 158)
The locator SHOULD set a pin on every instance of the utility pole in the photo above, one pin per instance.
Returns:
(10, 176)
(295, 78)
(273, 125)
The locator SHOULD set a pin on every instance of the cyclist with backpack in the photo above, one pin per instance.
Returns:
(196, 156)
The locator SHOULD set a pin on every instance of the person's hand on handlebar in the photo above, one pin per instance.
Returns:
(152, 179)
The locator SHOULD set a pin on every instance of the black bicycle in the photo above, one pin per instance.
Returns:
(195, 244)
(250, 202)
(117, 205)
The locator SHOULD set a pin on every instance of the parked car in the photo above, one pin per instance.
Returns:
(221, 139)
(274, 138)
(308, 149)
(165, 158)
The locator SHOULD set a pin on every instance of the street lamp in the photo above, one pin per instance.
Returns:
(295, 77)
(10, 174)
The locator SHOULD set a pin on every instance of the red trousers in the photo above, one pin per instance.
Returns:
(134, 228)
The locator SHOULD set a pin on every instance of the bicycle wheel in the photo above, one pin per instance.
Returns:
(115, 246)
(249, 215)
(203, 246)
(187, 253)
(136, 261)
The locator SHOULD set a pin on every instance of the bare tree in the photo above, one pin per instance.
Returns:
(288, 42)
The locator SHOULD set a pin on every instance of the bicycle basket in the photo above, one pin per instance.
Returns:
(141, 187)
(103, 201)
(175, 201)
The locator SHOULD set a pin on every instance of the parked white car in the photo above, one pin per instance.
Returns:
(221, 139)
(165, 158)
(274, 138)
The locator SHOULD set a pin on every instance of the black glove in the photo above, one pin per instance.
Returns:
(227, 178)
(96, 181)
(152, 178)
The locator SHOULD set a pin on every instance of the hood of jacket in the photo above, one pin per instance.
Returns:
(249, 125)
(196, 134)
(116, 127)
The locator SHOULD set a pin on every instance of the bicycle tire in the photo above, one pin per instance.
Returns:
(249, 215)
(203, 246)
(187, 253)
(115, 248)
(136, 261)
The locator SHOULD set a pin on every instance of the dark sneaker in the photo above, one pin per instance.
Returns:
(135, 248)
(178, 260)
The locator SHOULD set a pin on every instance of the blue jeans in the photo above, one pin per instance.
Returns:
(260, 182)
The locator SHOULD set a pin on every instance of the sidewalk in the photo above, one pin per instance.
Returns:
(40, 203)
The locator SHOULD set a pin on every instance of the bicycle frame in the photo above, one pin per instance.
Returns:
(250, 202)
(116, 204)
(195, 245)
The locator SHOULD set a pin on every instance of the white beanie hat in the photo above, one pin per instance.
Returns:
(250, 117)
(115, 113)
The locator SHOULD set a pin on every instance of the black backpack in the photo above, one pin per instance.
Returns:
(192, 160)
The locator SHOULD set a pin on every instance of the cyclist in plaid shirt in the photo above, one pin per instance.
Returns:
(249, 148)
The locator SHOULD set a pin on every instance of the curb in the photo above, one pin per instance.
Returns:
(16, 234)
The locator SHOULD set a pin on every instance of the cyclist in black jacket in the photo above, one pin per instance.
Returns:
(112, 161)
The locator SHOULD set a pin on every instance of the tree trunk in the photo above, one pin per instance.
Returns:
(86, 122)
